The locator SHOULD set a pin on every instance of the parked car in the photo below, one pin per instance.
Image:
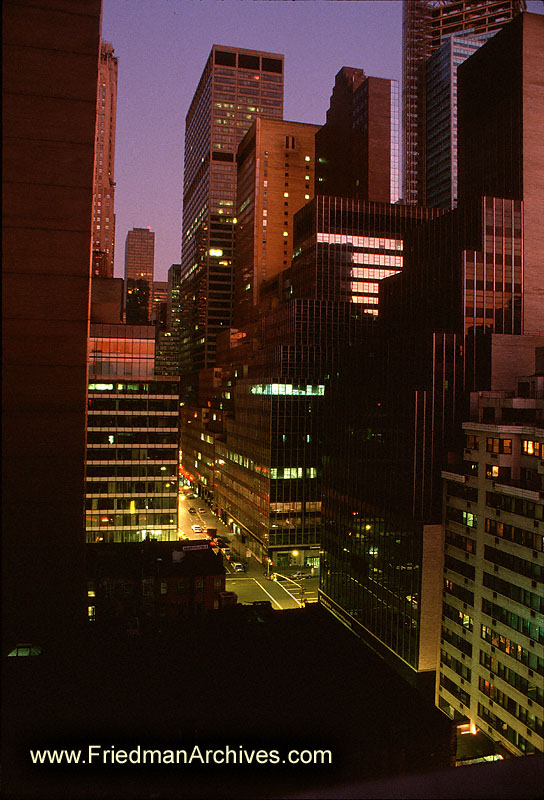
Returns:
(192, 510)
(196, 528)
(202, 510)
(300, 576)
(237, 567)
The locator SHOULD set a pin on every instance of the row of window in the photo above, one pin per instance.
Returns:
(510, 705)
(513, 649)
(515, 505)
(514, 592)
(528, 568)
(513, 621)
(505, 730)
(530, 539)
(530, 690)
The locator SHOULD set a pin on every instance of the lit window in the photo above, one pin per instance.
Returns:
(286, 194)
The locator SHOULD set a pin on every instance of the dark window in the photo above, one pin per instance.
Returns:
(223, 156)
(272, 65)
(225, 59)
(248, 62)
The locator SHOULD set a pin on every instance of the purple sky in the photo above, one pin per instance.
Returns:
(162, 46)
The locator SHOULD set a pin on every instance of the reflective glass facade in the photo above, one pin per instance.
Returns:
(120, 350)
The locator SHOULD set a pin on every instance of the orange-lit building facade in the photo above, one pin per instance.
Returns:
(276, 165)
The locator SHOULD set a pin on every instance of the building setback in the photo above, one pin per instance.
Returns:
(424, 25)
(104, 170)
(236, 87)
(139, 273)
(275, 178)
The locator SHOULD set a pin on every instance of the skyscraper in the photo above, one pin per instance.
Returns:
(104, 182)
(471, 278)
(275, 179)
(425, 23)
(363, 116)
(441, 127)
(139, 272)
(492, 639)
(236, 86)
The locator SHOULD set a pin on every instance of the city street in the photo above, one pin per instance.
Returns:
(252, 585)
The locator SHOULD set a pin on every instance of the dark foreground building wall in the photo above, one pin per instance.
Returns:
(50, 64)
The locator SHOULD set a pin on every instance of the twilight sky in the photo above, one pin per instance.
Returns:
(163, 45)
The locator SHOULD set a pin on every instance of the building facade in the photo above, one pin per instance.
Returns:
(275, 178)
(236, 86)
(441, 116)
(104, 168)
(47, 174)
(425, 23)
(454, 321)
(492, 639)
(139, 274)
(132, 439)
(364, 116)
(147, 584)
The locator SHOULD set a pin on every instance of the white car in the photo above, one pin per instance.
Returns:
(237, 567)
(202, 510)
(196, 528)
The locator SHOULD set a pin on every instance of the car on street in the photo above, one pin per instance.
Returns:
(192, 510)
(196, 528)
(202, 510)
(226, 552)
(300, 576)
(237, 567)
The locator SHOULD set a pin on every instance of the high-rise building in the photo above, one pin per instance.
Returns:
(160, 303)
(104, 180)
(441, 117)
(132, 438)
(139, 272)
(49, 142)
(364, 116)
(275, 179)
(236, 87)
(492, 640)
(425, 23)
(470, 279)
